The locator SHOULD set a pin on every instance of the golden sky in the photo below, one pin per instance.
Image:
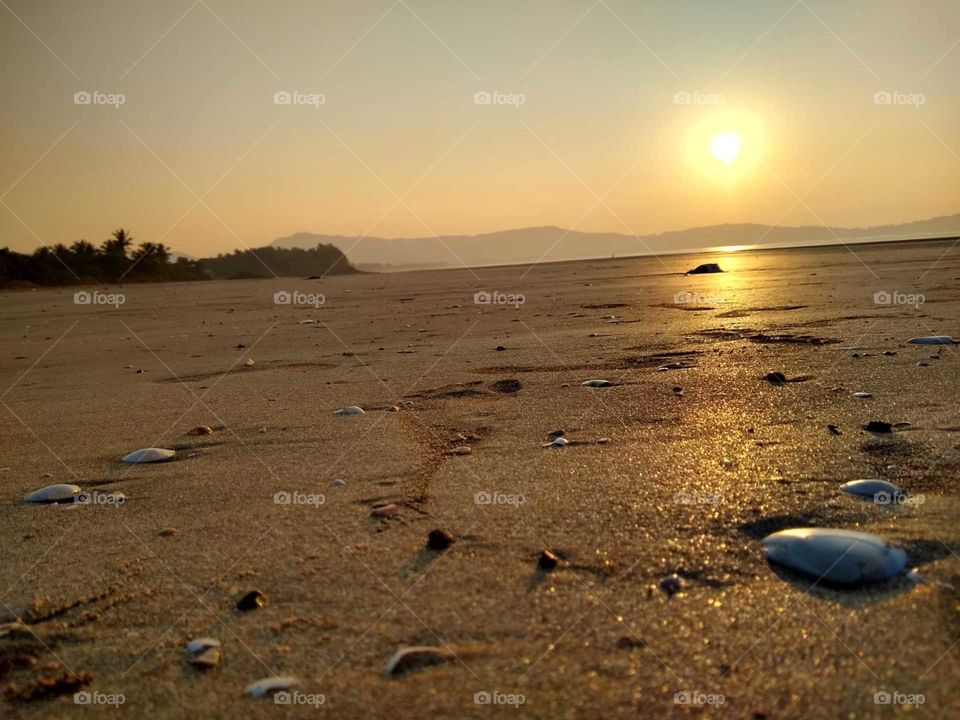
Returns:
(598, 116)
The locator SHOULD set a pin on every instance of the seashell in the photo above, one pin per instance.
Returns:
(460, 450)
(149, 455)
(200, 644)
(603, 440)
(60, 493)
(837, 556)
(672, 366)
(201, 430)
(547, 560)
(862, 395)
(880, 491)
(932, 340)
(207, 659)
(558, 442)
(338, 482)
(596, 383)
(408, 659)
(350, 410)
(307, 322)
(167, 532)
(271, 685)
(249, 362)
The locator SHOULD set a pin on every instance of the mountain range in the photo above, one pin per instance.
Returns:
(546, 244)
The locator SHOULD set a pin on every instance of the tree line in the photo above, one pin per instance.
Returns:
(118, 260)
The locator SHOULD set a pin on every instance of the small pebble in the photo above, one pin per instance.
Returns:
(439, 539)
(460, 450)
(253, 600)
(338, 482)
(672, 584)
(200, 430)
(547, 560)
(878, 426)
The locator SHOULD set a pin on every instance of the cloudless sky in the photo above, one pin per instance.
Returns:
(200, 157)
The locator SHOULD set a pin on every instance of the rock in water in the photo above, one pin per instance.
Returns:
(271, 685)
(351, 410)
(150, 455)
(439, 539)
(251, 601)
(880, 491)
(60, 493)
(837, 556)
(932, 340)
(704, 269)
(408, 659)
(596, 383)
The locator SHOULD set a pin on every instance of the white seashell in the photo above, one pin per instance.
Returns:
(461, 450)
(149, 455)
(837, 556)
(932, 340)
(53, 494)
(880, 491)
(862, 395)
(338, 482)
(200, 644)
(558, 442)
(307, 322)
(596, 383)
(351, 410)
(410, 658)
(270, 685)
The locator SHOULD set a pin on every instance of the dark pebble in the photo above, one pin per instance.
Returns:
(439, 540)
(500, 348)
(878, 426)
(776, 378)
(834, 430)
(251, 601)
(547, 561)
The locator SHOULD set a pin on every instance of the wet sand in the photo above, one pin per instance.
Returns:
(686, 484)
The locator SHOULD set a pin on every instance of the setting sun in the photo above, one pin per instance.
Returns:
(725, 147)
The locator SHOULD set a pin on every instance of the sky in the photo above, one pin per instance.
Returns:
(210, 125)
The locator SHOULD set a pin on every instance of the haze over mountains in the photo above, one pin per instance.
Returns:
(545, 244)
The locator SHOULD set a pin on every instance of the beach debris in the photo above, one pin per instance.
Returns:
(201, 430)
(350, 410)
(385, 511)
(338, 482)
(253, 600)
(596, 383)
(250, 362)
(460, 450)
(270, 685)
(862, 395)
(834, 430)
(673, 366)
(167, 532)
(672, 584)
(878, 426)
(500, 348)
(932, 340)
(704, 269)
(776, 378)
(836, 556)
(880, 491)
(557, 442)
(308, 321)
(408, 659)
(547, 560)
(603, 441)
(439, 539)
(60, 493)
(204, 652)
(240, 346)
(677, 390)
(556, 433)
(149, 455)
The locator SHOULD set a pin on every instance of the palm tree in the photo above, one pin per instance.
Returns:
(118, 243)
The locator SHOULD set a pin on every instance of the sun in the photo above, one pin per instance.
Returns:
(725, 147)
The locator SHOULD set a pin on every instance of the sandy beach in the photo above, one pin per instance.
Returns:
(679, 471)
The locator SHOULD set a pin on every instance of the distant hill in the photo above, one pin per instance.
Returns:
(553, 243)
